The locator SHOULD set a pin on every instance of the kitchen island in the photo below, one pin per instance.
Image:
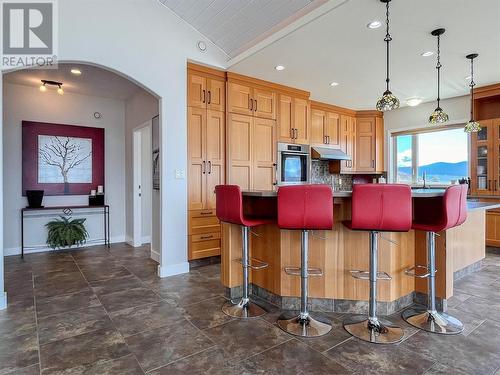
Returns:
(458, 251)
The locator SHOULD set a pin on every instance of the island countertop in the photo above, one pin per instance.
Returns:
(472, 203)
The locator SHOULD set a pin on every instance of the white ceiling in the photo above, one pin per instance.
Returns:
(93, 81)
(236, 25)
(339, 47)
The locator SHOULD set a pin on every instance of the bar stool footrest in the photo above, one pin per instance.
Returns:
(365, 275)
(413, 271)
(254, 264)
(296, 271)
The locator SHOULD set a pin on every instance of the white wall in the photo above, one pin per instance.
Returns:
(145, 41)
(28, 103)
(407, 118)
(140, 108)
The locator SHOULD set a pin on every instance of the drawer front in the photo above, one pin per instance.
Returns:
(204, 248)
(203, 221)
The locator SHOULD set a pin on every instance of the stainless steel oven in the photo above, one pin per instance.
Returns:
(294, 164)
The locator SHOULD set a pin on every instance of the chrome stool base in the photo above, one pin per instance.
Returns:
(308, 327)
(436, 322)
(384, 332)
(243, 309)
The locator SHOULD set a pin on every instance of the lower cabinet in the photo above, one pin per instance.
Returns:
(204, 234)
(493, 228)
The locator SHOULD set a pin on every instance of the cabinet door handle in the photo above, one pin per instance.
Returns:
(328, 139)
(255, 109)
(204, 167)
(296, 133)
(209, 167)
(209, 96)
(373, 164)
(204, 96)
(251, 104)
(291, 133)
(206, 237)
(206, 213)
(324, 139)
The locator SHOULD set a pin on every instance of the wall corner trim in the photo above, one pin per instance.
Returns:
(3, 301)
(173, 269)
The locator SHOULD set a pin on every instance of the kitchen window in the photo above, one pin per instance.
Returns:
(442, 155)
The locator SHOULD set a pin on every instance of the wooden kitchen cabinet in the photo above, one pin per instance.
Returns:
(348, 143)
(493, 228)
(365, 145)
(251, 100)
(206, 131)
(325, 128)
(251, 148)
(294, 118)
(206, 91)
(206, 153)
(484, 159)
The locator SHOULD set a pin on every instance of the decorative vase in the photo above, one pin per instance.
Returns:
(35, 198)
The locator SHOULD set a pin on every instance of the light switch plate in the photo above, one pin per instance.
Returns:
(180, 174)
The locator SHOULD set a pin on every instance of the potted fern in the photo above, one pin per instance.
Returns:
(65, 232)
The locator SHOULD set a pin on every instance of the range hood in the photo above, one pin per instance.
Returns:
(324, 153)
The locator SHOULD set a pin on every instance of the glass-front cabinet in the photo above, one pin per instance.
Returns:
(485, 159)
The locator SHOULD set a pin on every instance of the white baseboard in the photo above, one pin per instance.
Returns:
(173, 269)
(42, 248)
(3, 301)
(146, 239)
(155, 256)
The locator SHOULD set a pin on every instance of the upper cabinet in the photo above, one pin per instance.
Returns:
(250, 98)
(325, 127)
(369, 153)
(206, 90)
(294, 119)
(485, 163)
(348, 142)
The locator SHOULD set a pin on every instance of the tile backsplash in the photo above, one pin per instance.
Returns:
(321, 175)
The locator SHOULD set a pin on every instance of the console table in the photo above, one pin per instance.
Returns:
(68, 210)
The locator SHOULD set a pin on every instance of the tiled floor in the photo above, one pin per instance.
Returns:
(96, 311)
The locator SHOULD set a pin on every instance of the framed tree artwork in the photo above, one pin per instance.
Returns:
(62, 159)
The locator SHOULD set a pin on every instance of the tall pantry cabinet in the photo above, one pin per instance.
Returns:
(206, 129)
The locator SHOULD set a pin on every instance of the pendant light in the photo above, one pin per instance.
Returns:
(438, 116)
(388, 101)
(472, 126)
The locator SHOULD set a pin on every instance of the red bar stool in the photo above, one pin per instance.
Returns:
(434, 215)
(305, 208)
(229, 209)
(377, 208)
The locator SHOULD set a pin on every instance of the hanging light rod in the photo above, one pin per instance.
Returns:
(388, 101)
(472, 126)
(438, 116)
(46, 82)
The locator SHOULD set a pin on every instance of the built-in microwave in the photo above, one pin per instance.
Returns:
(294, 164)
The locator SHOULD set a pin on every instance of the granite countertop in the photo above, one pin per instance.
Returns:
(420, 193)
(472, 203)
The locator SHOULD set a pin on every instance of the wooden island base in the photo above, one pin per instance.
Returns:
(336, 252)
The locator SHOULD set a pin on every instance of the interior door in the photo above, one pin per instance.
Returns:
(285, 119)
(215, 151)
(264, 154)
(318, 127)
(196, 158)
(264, 103)
(216, 94)
(197, 90)
(365, 145)
(301, 120)
(239, 148)
(239, 98)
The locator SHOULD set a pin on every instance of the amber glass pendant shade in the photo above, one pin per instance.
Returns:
(438, 117)
(387, 102)
(472, 127)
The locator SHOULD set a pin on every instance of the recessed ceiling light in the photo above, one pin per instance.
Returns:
(202, 46)
(413, 102)
(374, 24)
(333, 84)
(279, 67)
(76, 71)
(427, 53)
